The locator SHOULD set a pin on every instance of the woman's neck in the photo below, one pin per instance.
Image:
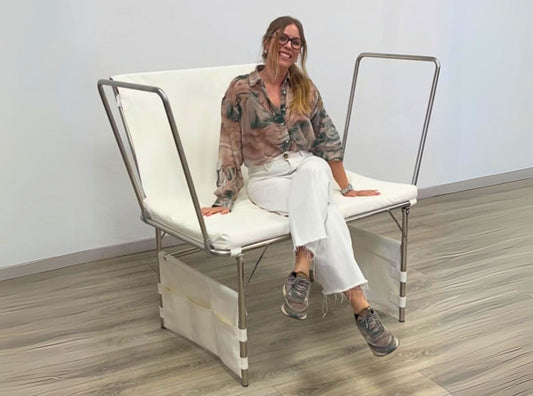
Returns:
(268, 76)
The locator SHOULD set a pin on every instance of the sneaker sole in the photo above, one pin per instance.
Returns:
(293, 316)
(381, 354)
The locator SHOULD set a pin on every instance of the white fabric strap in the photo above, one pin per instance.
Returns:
(398, 301)
(119, 102)
(403, 277)
(243, 363)
(402, 301)
(236, 251)
(163, 288)
(242, 335)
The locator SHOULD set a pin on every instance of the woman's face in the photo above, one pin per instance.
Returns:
(285, 42)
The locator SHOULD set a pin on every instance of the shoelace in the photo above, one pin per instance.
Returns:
(299, 288)
(373, 325)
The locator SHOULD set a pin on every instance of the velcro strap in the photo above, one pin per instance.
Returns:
(403, 277)
(242, 335)
(402, 301)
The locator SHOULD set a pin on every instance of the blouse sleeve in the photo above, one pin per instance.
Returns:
(229, 176)
(327, 144)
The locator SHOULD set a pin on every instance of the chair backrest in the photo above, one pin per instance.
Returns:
(195, 96)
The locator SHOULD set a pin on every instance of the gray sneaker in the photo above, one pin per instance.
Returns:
(380, 340)
(296, 296)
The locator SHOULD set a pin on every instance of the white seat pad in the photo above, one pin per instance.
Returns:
(391, 194)
(247, 223)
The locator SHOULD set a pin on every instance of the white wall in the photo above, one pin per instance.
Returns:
(65, 189)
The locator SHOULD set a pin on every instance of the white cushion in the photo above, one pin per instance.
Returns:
(391, 194)
(195, 96)
(247, 223)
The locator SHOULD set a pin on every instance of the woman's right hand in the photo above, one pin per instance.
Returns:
(214, 210)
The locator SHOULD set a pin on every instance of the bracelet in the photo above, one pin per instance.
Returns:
(346, 189)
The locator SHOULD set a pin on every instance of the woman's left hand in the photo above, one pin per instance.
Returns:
(361, 193)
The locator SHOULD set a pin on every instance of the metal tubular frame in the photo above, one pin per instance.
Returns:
(242, 317)
(206, 244)
(255, 266)
(403, 258)
(126, 129)
(403, 263)
(158, 246)
(405, 208)
(186, 252)
(177, 141)
(429, 109)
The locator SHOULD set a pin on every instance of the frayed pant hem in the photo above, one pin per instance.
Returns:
(363, 285)
(310, 246)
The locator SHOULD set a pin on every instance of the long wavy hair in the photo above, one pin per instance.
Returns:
(300, 81)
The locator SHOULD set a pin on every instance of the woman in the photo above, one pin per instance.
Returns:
(274, 122)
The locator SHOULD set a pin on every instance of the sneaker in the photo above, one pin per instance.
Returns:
(296, 296)
(380, 340)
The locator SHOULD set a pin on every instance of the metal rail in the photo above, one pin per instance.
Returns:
(429, 109)
(179, 146)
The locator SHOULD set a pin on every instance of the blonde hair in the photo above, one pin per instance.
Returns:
(300, 82)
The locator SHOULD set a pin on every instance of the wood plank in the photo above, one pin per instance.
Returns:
(94, 328)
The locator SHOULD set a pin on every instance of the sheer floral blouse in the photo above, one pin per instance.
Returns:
(254, 131)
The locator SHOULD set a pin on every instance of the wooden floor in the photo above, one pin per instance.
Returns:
(94, 328)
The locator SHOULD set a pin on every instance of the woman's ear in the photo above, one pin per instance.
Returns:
(265, 47)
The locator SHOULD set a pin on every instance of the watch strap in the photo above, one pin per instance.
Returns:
(346, 189)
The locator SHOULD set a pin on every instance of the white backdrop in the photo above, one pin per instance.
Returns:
(65, 188)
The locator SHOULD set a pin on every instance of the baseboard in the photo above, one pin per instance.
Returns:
(52, 263)
(86, 256)
(486, 181)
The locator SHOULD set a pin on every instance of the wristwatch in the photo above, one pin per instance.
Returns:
(346, 189)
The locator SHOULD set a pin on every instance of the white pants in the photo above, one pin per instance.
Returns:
(300, 185)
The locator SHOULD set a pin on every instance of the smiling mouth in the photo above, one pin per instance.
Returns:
(284, 55)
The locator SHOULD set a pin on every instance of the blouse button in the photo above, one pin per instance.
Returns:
(285, 155)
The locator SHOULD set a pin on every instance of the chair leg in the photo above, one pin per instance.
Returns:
(158, 240)
(158, 243)
(403, 263)
(242, 320)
